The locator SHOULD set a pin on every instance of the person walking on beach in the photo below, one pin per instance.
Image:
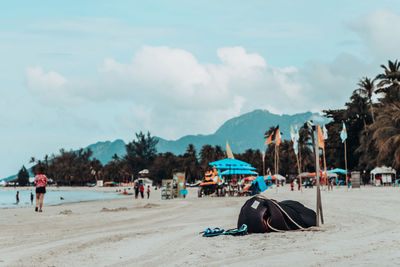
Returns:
(40, 182)
(31, 198)
(148, 191)
(17, 197)
(136, 190)
(142, 190)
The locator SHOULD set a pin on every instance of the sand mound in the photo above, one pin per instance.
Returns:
(66, 212)
(150, 205)
(114, 210)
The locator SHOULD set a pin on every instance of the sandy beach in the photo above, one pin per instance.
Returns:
(361, 228)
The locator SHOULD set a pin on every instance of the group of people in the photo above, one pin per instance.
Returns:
(41, 183)
(17, 198)
(140, 188)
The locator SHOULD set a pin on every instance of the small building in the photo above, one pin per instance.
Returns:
(383, 176)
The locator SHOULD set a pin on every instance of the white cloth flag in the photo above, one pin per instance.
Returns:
(325, 132)
(295, 136)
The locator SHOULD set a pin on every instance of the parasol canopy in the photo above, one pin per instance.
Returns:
(337, 170)
(238, 171)
(230, 164)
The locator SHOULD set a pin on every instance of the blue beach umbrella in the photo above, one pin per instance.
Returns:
(337, 170)
(231, 164)
(238, 171)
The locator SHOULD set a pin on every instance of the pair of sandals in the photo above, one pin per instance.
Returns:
(217, 231)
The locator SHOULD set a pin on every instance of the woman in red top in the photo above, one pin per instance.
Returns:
(40, 182)
(142, 190)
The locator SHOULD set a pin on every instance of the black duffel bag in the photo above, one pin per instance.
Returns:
(263, 215)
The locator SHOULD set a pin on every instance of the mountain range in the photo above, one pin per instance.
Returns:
(242, 132)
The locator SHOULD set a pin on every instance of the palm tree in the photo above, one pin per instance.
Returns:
(219, 153)
(387, 135)
(357, 109)
(389, 81)
(367, 88)
(207, 155)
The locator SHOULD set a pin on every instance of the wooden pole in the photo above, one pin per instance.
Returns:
(316, 151)
(298, 168)
(326, 174)
(274, 160)
(345, 163)
(277, 160)
(301, 178)
(300, 156)
(275, 168)
(263, 161)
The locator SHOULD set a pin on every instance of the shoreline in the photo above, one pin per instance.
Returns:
(65, 188)
(111, 193)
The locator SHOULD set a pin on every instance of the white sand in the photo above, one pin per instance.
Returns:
(362, 227)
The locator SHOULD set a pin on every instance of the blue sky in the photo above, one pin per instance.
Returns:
(76, 72)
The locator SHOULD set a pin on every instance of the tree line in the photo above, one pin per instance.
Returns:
(371, 116)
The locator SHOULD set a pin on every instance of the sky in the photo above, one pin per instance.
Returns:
(76, 72)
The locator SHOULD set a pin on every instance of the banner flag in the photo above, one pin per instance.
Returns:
(343, 133)
(229, 151)
(325, 131)
(321, 143)
(278, 137)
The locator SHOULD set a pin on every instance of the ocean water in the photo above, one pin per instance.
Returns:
(53, 197)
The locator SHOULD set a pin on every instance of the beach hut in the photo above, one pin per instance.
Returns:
(383, 175)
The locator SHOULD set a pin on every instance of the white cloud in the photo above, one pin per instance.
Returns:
(380, 32)
(173, 94)
(51, 86)
(43, 82)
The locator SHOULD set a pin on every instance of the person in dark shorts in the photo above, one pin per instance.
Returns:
(31, 198)
(148, 191)
(40, 182)
(136, 190)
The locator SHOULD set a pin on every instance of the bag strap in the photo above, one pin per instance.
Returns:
(283, 211)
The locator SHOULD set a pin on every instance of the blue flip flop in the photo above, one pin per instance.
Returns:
(212, 232)
(242, 230)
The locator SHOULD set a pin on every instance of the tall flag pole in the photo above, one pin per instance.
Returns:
(317, 145)
(295, 138)
(325, 137)
(263, 161)
(278, 140)
(270, 140)
(343, 136)
(321, 142)
(298, 138)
